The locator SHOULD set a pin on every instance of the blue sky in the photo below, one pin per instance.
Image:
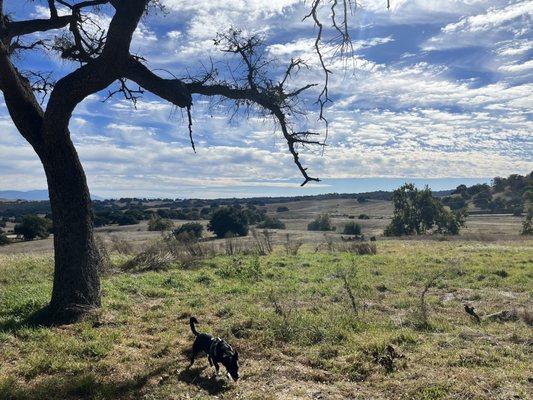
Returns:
(436, 89)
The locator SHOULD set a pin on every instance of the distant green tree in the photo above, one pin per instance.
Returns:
(193, 230)
(282, 209)
(271, 223)
(321, 223)
(227, 221)
(4, 239)
(417, 211)
(352, 228)
(126, 219)
(33, 226)
(527, 224)
(160, 224)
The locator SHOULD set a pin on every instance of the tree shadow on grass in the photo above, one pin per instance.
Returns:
(16, 320)
(83, 386)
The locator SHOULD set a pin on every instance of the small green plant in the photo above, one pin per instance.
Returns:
(4, 239)
(527, 225)
(160, 224)
(271, 223)
(321, 223)
(352, 228)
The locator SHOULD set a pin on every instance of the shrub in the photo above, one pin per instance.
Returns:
(228, 221)
(194, 230)
(352, 228)
(527, 225)
(271, 223)
(365, 249)
(321, 223)
(417, 211)
(160, 224)
(4, 239)
(282, 209)
(363, 216)
(127, 219)
(33, 226)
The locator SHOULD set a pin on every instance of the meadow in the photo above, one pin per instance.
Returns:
(322, 324)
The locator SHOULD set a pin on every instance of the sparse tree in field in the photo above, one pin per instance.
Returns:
(159, 224)
(4, 239)
(33, 226)
(98, 57)
(192, 230)
(321, 223)
(417, 211)
(228, 222)
(527, 224)
(352, 228)
(271, 223)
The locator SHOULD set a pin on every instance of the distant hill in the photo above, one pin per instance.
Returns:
(511, 195)
(29, 195)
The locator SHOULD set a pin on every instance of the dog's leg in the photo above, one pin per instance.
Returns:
(217, 368)
(210, 360)
(195, 351)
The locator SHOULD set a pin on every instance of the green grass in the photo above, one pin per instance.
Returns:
(291, 319)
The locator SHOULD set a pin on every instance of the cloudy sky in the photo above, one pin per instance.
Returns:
(436, 89)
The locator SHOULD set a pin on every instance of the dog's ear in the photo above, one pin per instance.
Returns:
(236, 355)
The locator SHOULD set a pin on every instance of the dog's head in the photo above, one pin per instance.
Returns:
(231, 362)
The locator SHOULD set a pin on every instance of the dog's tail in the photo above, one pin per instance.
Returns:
(193, 321)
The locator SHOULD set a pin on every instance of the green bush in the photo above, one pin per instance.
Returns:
(527, 225)
(271, 223)
(193, 229)
(363, 216)
(33, 226)
(4, 239)
(352, 228)
(321, 223)
(228, 221)
(160, 224)
(282, 209)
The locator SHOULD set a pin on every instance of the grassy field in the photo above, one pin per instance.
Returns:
(291, 317)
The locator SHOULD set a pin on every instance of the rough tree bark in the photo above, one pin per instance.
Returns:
(76, 286)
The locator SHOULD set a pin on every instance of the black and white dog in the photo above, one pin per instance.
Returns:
(217, 350)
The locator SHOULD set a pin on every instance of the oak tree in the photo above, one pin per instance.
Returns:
(100, 57)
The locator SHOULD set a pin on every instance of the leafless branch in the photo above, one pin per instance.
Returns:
(129, 94)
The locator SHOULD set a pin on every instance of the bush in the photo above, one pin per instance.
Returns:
(127, 219)
(4, 239)
(271, 223)
(282, 209)
(527, 225)
(193, 230)
(228, 221)
(160, 224)
(33, 226)
(321, 223)
(352, 228)
(417, 211)
(363, 216)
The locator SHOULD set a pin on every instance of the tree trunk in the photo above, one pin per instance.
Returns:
(76, 287)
